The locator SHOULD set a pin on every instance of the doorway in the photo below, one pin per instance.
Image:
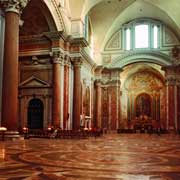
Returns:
(35, 114)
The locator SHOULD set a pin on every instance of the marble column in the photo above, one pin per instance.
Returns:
(77, 62)
(10, 66)
(66, 91)
(98, 104)
(171, 103)
(2, 25)
(178, 105)
(57, 78)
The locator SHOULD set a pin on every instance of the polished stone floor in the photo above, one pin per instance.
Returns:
(113, 156)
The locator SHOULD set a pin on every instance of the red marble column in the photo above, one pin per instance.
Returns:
(171, 105)
(57, 78)
(66, 91)
(114, 109)
(77, 62)
(178, 106)
(10, 66)
(98, 104)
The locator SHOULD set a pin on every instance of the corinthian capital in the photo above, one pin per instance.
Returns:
(67, 60)
(77, 61)
(14, 5)
(58, 57)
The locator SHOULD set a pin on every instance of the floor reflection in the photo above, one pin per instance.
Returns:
(113, 156)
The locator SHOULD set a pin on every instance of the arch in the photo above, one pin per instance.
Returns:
(35, 114)
(55, 13)
(141, 56)
(41, 17)
(37, 19)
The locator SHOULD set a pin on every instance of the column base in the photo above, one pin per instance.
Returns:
(11, 135)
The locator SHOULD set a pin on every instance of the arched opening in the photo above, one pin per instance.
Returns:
(35, 114)
(36, 19)
(143, 93)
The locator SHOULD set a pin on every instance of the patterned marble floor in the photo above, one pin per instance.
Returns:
(111, 157)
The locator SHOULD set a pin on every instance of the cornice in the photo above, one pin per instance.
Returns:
(56, 35)
(81, 41)
(33, 39)
(132, 55)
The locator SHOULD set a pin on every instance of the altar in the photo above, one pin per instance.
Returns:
(143, 123)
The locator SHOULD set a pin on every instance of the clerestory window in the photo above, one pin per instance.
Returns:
(141, 35)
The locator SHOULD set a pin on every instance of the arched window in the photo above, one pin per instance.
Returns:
(142, 34)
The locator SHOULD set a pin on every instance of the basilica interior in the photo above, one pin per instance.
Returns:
(95, 65)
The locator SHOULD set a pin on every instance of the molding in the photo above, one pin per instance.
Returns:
(56, 35)
(38, 83)
(141, 56)
(33, 53)
(60, 18)
(33, 39)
